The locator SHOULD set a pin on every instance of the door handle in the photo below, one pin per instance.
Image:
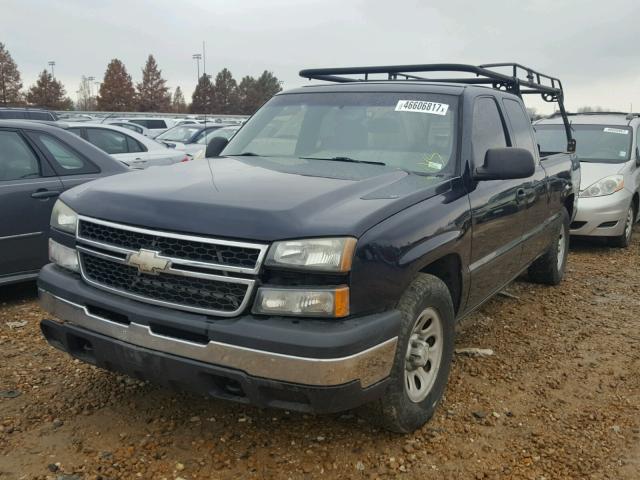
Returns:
(45, 193)
(520, 194)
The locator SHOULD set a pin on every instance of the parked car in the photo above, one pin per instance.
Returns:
(321, 262)
(139, 129)
(37, 163)
(154, 125)
(10, 113)
(226, 133)
(132, 149)
(188, 138)
(609, 155)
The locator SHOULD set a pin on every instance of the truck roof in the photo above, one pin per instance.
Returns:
(383, 86)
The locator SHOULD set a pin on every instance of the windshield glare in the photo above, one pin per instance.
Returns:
(222, 132)
(412, 131)
(595, 143)
(182, 133)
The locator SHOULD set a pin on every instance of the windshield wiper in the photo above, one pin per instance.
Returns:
(344, 159)
(246, 154)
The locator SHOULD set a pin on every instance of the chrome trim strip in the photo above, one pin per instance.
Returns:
(369, 366)
(21, 235)
(193, 238)
(174, 271)
(177, 306)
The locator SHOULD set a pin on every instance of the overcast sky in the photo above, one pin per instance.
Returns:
(593, 46)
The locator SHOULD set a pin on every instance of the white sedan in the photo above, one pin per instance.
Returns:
(131, 148)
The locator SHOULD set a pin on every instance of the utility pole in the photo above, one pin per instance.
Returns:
(197, 57)
(52, 64)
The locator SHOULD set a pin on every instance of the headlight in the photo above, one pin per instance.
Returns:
(605, 186)
(62, 256)
(323, 254)
(63, 218)
(303, 303)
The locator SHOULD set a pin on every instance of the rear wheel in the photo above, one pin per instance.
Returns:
(624, 240)
(549, 268)
(423, 358)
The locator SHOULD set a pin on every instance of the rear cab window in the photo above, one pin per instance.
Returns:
(521, 130)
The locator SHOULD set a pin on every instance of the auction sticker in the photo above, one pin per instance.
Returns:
(420, 106)
(616, 130)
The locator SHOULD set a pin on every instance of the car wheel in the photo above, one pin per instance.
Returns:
(423, 358)
(549, 268)
(624, 240)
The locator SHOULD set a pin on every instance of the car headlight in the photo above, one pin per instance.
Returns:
(62, 256)
(604, 186)
(319, 302)
(63, 218)
(322, 254)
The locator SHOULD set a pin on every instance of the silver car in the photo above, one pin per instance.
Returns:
(609, 157)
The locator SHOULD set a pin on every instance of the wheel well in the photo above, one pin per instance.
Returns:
(636, 201)
(568, 204)
(448, 269)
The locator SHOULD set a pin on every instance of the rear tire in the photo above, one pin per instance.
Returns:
(624, 240)
(549, 268)
(423, 358)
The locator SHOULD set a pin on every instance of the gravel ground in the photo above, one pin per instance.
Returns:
(559, 399)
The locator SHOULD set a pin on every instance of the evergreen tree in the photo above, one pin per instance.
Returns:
(153, 93)
(116, 91)
(225, 98)
(10, 83)
(201, 100)
(254, 92)
(178, 104)
(49, 93)
(248, 101)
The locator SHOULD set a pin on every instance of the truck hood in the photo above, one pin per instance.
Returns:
(255, 198)
(592, 172)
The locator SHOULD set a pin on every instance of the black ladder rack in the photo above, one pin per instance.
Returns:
(522, 80)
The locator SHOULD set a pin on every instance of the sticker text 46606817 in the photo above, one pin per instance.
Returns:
(420, 106)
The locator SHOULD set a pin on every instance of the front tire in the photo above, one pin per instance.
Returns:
(423, 358)
(549, 268)
(624, 240)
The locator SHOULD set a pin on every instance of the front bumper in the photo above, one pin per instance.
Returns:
(602, 216)
(287, 363)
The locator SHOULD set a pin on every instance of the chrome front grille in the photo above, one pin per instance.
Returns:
(185, 272)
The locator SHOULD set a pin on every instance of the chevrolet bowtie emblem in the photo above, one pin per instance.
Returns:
(148, 261)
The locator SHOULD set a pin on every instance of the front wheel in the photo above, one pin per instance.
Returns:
(549, 268)
(624, 240)
(423, 358)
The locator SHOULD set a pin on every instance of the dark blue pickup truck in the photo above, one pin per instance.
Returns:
(320, 261)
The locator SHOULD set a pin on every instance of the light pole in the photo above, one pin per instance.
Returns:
(52, 64)
(91, 79)
(197, 57)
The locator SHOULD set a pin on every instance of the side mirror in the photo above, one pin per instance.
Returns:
(215, 146)
(638, 156)
(506, 163)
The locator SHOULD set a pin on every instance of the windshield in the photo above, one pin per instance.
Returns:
(595, 143)
(415, 132)
(182, 133)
